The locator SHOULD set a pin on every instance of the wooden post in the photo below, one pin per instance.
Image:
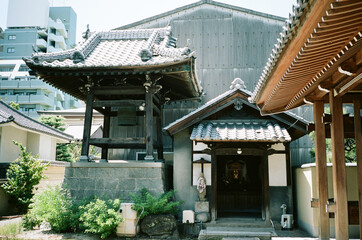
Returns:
(213, 186)
(87, 125)
(358, 137)
(266, 203)
(339, 168)
(159, 134)
(321, 168)
(149, 124)
(106, 129)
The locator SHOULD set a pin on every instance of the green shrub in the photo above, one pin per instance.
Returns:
(100, 217)
(54, 206)
(23, 175)
(151, 205)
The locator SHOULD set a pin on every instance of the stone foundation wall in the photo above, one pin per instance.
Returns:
(114, 180)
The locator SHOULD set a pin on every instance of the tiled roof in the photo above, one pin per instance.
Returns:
(285, 35)
(117, 49)
(240, 130)
(9, 114)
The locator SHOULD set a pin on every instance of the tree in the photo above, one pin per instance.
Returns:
(23, 175)
(57, 122)
(14, 105)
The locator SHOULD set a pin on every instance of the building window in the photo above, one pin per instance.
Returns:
(12, 37)
(53, 30)
(52, 43)
(11, 50)
(24, 68)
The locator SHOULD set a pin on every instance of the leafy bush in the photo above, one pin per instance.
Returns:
(23, 175)
(151, 205)
(100, 217)
(55, 206)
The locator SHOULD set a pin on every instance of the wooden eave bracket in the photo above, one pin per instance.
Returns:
(331, 207)
(314, 203)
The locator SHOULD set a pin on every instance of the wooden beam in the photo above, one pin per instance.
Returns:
(266, 196)
(87, 125)
(119, 90)
(117, 103)
(321, 168)
(341, 90)
(339, 167)
(358, 138)
(118, 142)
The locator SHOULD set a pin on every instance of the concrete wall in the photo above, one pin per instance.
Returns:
(306, 189)
(182, 170)
(114, 180)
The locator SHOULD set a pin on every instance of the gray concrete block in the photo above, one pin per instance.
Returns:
(72, 183)
(68, 172)
(89, 185)
(153, 173)
(99, 183)
(127, 184)
(80, 172)
(111, 184)
(120, 172)
(137, 172)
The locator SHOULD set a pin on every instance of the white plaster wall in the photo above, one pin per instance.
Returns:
(277, 167)
(33, 143)
(10, 152)
(47, 147)
(308, 217)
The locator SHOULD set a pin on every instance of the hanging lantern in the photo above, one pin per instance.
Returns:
(127, 116)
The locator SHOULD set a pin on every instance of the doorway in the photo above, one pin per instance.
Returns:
(239, 186)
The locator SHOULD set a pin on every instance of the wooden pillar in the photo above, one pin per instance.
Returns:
(358, 137)
(149, 124)
(266, 198)
(339, 168)
(321, 168)
(87, 125)
(106, 129)
(159, 136)
(213, 186)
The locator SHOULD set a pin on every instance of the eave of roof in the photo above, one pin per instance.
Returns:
(196, 4)
(311, 47)
(221, 102)
(8, 115)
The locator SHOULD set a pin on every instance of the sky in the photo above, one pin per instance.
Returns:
(109, 14)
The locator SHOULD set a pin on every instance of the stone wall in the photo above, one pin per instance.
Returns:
(114, 180)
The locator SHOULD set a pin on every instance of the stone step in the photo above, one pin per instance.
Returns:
(242, 238)
(237, 233)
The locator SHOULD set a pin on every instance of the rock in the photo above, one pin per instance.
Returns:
(158, 225)
(203, 216)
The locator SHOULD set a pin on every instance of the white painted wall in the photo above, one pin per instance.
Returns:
(45, 148)
(33, 143)
(277, 167)
(10, 152)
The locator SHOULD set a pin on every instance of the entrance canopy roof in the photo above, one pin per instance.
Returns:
(116, 58)
(208, 125)
(319, 50)
(239, 131)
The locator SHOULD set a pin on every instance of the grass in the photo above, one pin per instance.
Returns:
(11, 229)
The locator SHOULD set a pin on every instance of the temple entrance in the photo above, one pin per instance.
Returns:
(239, 186)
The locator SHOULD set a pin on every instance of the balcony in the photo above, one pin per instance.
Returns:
(10, 84)
(42, 33)
(51, 49)
(41, 43)
(58, 39)
(9, 98)
(59, 26)
(35, 99)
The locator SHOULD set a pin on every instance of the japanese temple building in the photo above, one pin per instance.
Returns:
(247, 156)
(317, 61)
(125, 75)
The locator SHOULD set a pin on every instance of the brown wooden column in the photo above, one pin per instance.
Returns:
(213, 186)
(106, 129)
(358, 137)
(159, 136)
(339, 168)
(149, 124)
(321, 168)
(87, 125)
(266, 198)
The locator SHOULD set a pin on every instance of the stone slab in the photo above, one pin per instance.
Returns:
(202, 206)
